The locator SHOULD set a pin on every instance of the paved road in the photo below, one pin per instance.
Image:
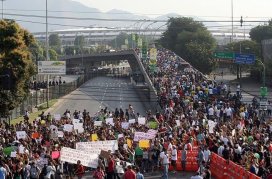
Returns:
(101, 92)
(157, 175)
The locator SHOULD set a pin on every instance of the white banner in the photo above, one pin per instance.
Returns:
(73, 155)
(143, 136)
(97, 123)
(97, 146)
(51, 67)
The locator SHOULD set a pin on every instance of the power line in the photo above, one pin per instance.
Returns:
(123, 20)
(81, 26)
(95, 12)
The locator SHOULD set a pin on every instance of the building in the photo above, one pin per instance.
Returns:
(102, 36)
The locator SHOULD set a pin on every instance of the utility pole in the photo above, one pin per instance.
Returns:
(2, 8)
(47, 53)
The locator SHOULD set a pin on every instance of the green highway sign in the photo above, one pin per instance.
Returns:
(223, 55)
(263, 91)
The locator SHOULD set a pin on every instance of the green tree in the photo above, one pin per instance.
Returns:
(15, 58)
(191, 40)
(245, 46)
(79, 41)
(119, 40)
(55, 43)
(261, 32)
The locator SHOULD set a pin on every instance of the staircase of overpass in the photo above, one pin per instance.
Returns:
(145, 89)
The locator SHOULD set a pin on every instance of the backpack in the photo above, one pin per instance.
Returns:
(34, 173)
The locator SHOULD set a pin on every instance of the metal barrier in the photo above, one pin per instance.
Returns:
(38, 97)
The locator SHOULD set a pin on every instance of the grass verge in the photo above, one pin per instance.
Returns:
(34, 115)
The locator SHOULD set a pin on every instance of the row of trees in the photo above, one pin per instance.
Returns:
(193, 42)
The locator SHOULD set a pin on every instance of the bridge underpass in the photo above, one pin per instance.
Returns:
(144, 87)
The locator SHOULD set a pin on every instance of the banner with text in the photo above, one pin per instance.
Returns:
(96, 146)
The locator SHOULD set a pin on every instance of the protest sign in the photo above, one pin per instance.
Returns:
(52, 127)
(8, 150)
(97, 146)
(141, 120)
(73, 155)
(109, 121)
(94, 137)
(129, 143)
(142, 136)
(125, 125)
(13, 154)
(120, 136)
(79, 127)
(21, 149)
(178, 123)
(41, 162)
(60, 134)
(153, 125)
(57, 117)
(21, 134)
(68, 127)
(75, 121)
(35, 135)
(144, 144)
(55, 154)
(97, 123)
(131, 121)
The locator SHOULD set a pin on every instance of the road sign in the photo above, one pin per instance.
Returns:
(52, 67)
(263, 91)
(263, 103)
(223, 55)
(244, 58)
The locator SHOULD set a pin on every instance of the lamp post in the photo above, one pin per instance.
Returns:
(2, 8)
(47, 52)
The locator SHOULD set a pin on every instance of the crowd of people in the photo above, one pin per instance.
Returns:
(36, 85)
(196, 113)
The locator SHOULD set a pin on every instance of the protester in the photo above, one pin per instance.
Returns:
(196, 114)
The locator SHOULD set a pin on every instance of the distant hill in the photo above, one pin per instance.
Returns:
(69, 8)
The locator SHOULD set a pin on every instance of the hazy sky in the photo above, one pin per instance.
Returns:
(245, 8)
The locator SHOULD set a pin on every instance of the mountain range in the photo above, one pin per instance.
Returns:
(31, 15)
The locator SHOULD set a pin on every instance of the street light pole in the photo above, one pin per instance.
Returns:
(2, 9)
(47, 52)
(231, 20)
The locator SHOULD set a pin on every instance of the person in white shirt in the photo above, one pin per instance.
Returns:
(220, 149)
(211, 112)
(198, 176)
(165, 164)
(174, 158)
(207, 154)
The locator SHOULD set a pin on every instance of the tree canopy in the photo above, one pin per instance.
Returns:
(191, 40)
(79, 41)
(16, 62)
(261, 32)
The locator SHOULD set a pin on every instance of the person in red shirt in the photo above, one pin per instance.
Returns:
(98, 174)
(129, 174)
(111, 166)
(80, 170)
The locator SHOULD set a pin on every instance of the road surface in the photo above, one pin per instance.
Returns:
(101, 92)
